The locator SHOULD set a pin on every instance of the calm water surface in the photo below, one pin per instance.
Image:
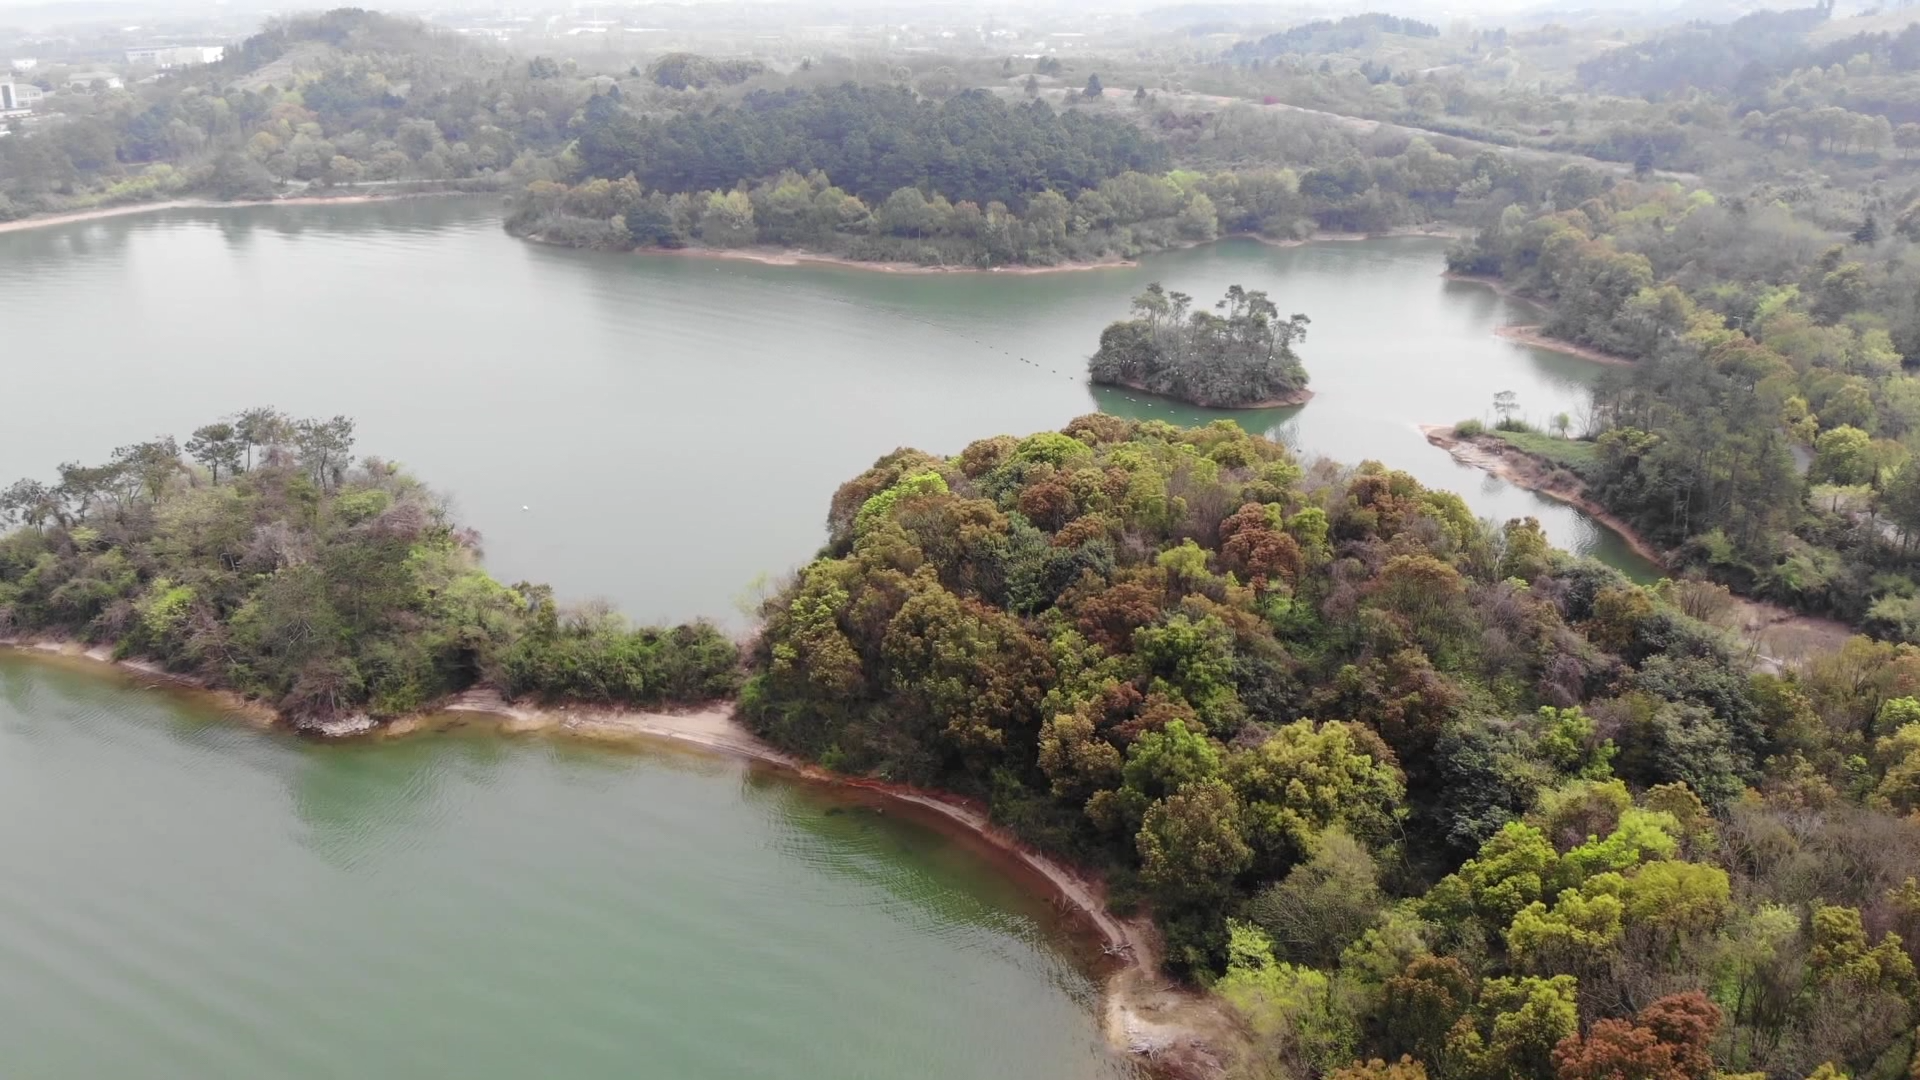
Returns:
(189, 897)
(675, 426)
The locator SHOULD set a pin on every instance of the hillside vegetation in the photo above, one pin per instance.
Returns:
(1394, 781)
(267, 561)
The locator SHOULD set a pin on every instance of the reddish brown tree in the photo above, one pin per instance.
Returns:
(1667, 1041)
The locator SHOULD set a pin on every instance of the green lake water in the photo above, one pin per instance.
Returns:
(187, 896)
(675, 426)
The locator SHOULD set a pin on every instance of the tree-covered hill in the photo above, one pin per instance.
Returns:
(1399, 781)
(872, 140)
(339, 98)
(268, 561)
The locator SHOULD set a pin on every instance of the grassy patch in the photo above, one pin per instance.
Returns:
(1573, 455)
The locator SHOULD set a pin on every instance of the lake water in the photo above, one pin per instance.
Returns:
(186, 896)
(675, 426)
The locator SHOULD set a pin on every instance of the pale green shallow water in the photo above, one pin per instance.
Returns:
(184, 896)
(187, 897)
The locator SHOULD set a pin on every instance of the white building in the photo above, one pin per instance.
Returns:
(25, 63)
(9, 97)
(85, 80)
(171, 56)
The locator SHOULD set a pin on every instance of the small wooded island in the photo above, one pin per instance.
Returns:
(276, 567)
(1242, 359)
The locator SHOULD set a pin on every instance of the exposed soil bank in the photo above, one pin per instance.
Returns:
(1522, 469)
(129, 209)
(1777, 637)
(1298, 397)
(1532, 335)
(1179, 1033)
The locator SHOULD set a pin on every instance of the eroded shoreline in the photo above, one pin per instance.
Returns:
(1178, 1033)
(1521, 469)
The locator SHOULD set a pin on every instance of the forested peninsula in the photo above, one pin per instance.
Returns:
(1402, 787)
(1241, 359)
(263, 558)
(1397, 785)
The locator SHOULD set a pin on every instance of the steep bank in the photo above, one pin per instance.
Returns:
(1180, 1034)
(1777, 637)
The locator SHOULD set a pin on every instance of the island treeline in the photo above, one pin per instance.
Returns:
(1240, 359)
(1399, 784)
(267, 560)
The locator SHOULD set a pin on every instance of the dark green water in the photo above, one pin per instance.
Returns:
(674, 425)
(185, 896)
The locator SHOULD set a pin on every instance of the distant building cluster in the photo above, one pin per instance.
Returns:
(172, 56)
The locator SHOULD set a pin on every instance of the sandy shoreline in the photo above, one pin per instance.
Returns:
(1183, 1034)
(1531, 335)
(130, 209)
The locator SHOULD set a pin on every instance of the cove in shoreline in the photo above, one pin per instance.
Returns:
(1178, 1033)
(1532, 335)
(1778, 637)
(1521, 469)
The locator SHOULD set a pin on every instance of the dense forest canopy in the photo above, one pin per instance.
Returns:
(1401, 782)
(1242, 357)
(1326, 35)
(872, 141)
(267, 560)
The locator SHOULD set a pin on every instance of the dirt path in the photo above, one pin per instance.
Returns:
(1360, 125)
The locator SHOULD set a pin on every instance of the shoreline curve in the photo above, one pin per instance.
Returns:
(1179, 1034)
(1521, 469)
